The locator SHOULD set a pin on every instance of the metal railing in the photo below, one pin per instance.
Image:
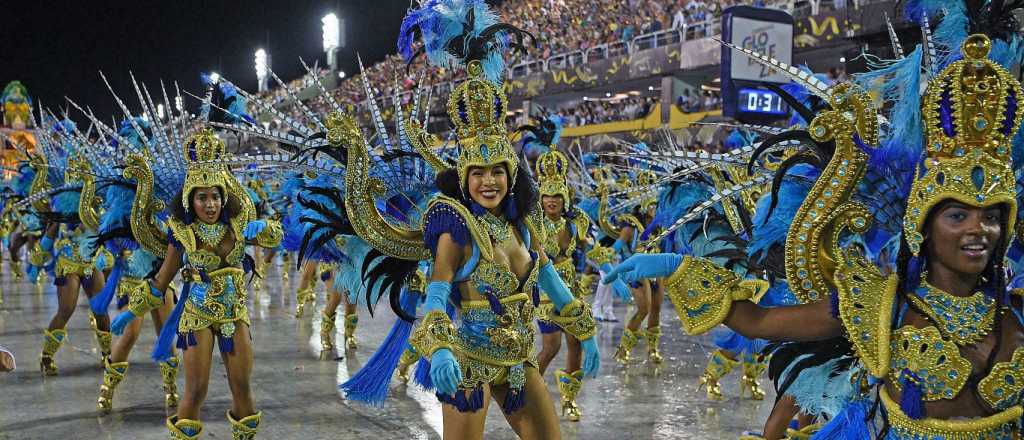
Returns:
(690, 31)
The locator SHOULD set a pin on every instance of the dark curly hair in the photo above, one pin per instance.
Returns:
(524, 194)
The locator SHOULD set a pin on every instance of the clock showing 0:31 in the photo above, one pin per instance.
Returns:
(761, 101)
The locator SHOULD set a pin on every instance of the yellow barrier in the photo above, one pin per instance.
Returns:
(677, 120)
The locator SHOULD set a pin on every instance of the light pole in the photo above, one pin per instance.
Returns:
(332, 38)
(262, 62)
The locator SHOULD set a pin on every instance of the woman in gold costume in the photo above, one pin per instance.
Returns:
(210, 226)
(937, 336)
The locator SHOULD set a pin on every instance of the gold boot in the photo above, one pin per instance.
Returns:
(327, 332)
(719, 365)
(653, 337)
(302, 296)
(285, 264)
(113, 374)
(569, 385)
(104, 339)
(169, 373)
(350, 331)
(626, 344)
(752, 369)
(409, 357)
(16, 270)
(246, 428)
(184, 429)
(52, 340)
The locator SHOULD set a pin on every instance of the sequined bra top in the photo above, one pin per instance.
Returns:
(931, 359)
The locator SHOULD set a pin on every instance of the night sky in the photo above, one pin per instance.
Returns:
(57, 48)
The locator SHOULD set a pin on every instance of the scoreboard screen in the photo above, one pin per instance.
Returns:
(762, 101)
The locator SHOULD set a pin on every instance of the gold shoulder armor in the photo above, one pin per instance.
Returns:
(183, 234)
(865, 307)
(703, 292)
(483, 241)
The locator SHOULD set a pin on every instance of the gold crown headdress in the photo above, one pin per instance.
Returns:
(971, 114)
(645, 182)
(201, 151)
(552, 172)
(477, 108)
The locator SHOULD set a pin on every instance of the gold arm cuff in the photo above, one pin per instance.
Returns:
(271, 235)
(702, 293)
(140, 296)
(434, 333)
(575, 319)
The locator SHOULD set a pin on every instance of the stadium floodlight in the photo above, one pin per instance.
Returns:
(332, 38)
(331, 31)
(261, 70)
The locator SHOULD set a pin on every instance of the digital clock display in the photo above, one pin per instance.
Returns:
(761, 101)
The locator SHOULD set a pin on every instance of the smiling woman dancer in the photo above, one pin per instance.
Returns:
(209, 226)
(937, 342)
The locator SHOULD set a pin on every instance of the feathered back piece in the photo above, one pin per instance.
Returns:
(455, 32)
(539, 139)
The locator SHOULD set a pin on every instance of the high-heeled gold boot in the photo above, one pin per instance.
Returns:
(350, 331)
(184, 429)
(409, 357)
(626, 344)
(653, 338)
(327, 327)
(52, 340)
(104, 340)
(752, 369)
(169, 374)
(246, 428)
(719, 365)
(285, 264)
(113, 374)
(569, 385)
(302, 296)
(16, 270)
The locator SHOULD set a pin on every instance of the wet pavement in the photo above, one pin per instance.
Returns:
(296, 387)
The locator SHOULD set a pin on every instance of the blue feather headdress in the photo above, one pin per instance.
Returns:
(455, 32)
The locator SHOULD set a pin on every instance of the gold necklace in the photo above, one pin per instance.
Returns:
(210, 235)
(499, 229)
(963, 320)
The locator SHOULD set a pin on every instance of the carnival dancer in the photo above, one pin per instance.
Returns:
(934, 340)
(58, 197)
(565, 228)
(113, 187)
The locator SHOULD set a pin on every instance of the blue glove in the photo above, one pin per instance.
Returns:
(591, 357)
(644, 266)
(253, 228)
(120, 322)
(445, 372)
(618, 245)
(32, 272)
(46, 243)
(619, 287)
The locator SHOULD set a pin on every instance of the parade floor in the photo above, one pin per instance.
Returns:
(297, 391)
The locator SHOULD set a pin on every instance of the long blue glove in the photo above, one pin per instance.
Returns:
(619, 287)
(119, 323)
(445, 372)
(644, 266)
(254, 228)
(46, 243)
(558, 292)
(591, 357)
(618, 245)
